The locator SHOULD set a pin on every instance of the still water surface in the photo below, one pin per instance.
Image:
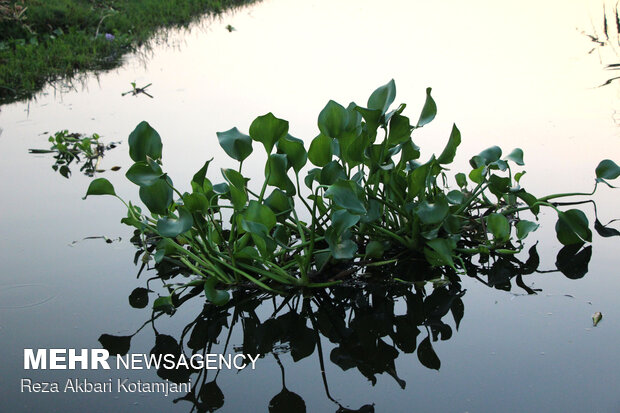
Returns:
(516, 75)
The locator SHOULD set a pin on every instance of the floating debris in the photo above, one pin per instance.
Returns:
(230, 28)
(137, 90)
(596, 318)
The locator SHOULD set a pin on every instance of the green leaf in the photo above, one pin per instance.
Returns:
(486, 157)
(144, 173)
(477, 175)
(100, 186)
(409, 151)
(268, 130)
(455, 197)
(275, 173)
(333, 119)
(516, 156)
(294, 150)
(236, 144)
(461, 180)
(338, 235)
(343, 220)
(171, 226)
(279, 203)
(144, 141)
(429, 111)
(216, 297)
(607, 170)
(320, 152)
(447, 156)
(345, 194)
(524, 227)
(164, 304)
(196, 202)
(331, 173)
(158, 196)
(382, 97)
(400, 130)
(200, 176)
(499, 227)
(374, 249)
(238, 194)
(440, 252)
(572, 227)
(417, 179)
(344, 250)
(262, 214)
(433, 213)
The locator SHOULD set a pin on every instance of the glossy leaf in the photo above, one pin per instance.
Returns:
(429, 111)
(400, 130)
(295, 152)
(144, 173)
(144, 142)
(516, 156)
(333, 120)
(100, 186)
(199, 177)
(345, 195)
(238, 194)
(440, 252)
(607, 169)
(433, 213)
(260, 213)
(486, 157)
(447, 155)
(275, 173)
(572, 227)
(524, 227)
(268, 130)
(320, 152)
(236, 144)
(499, 226)
(158, 196)
(213, 295)
(164, 304)
(172, 226)
(382, 97)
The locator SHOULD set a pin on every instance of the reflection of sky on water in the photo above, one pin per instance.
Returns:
(512, 75)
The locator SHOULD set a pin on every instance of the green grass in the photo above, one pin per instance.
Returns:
(57, 39)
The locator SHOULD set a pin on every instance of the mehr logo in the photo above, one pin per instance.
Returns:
(63, 359)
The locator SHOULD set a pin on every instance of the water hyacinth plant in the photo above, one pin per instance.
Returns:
(371, 202)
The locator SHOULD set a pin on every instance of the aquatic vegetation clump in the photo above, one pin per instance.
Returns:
(370, 202)
(69, 147)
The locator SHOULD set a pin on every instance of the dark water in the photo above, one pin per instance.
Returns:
(507, 75)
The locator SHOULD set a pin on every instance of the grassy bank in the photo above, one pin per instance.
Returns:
(48, 40)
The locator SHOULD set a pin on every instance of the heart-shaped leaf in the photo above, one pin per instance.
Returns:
(236, 144)
(524, 227)
(158, 196)
(433, 213)
(295, 152)
(382, 97)
(215, 296)
(268, 130)
(572, 227)
(144, 142)
(499, 226)
(320, 152)
(333, 119)
(144, 173)
(346, 194)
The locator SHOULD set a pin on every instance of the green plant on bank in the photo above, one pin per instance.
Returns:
(371, 202)
(48, 40)
(69, 147)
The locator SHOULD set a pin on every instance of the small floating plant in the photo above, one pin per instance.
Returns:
(69, 147)
(368, 199)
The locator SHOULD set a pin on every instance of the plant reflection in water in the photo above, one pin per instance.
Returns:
(367, 322)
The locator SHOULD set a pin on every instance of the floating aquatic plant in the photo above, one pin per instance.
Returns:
(370, 202)
(75, 147)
